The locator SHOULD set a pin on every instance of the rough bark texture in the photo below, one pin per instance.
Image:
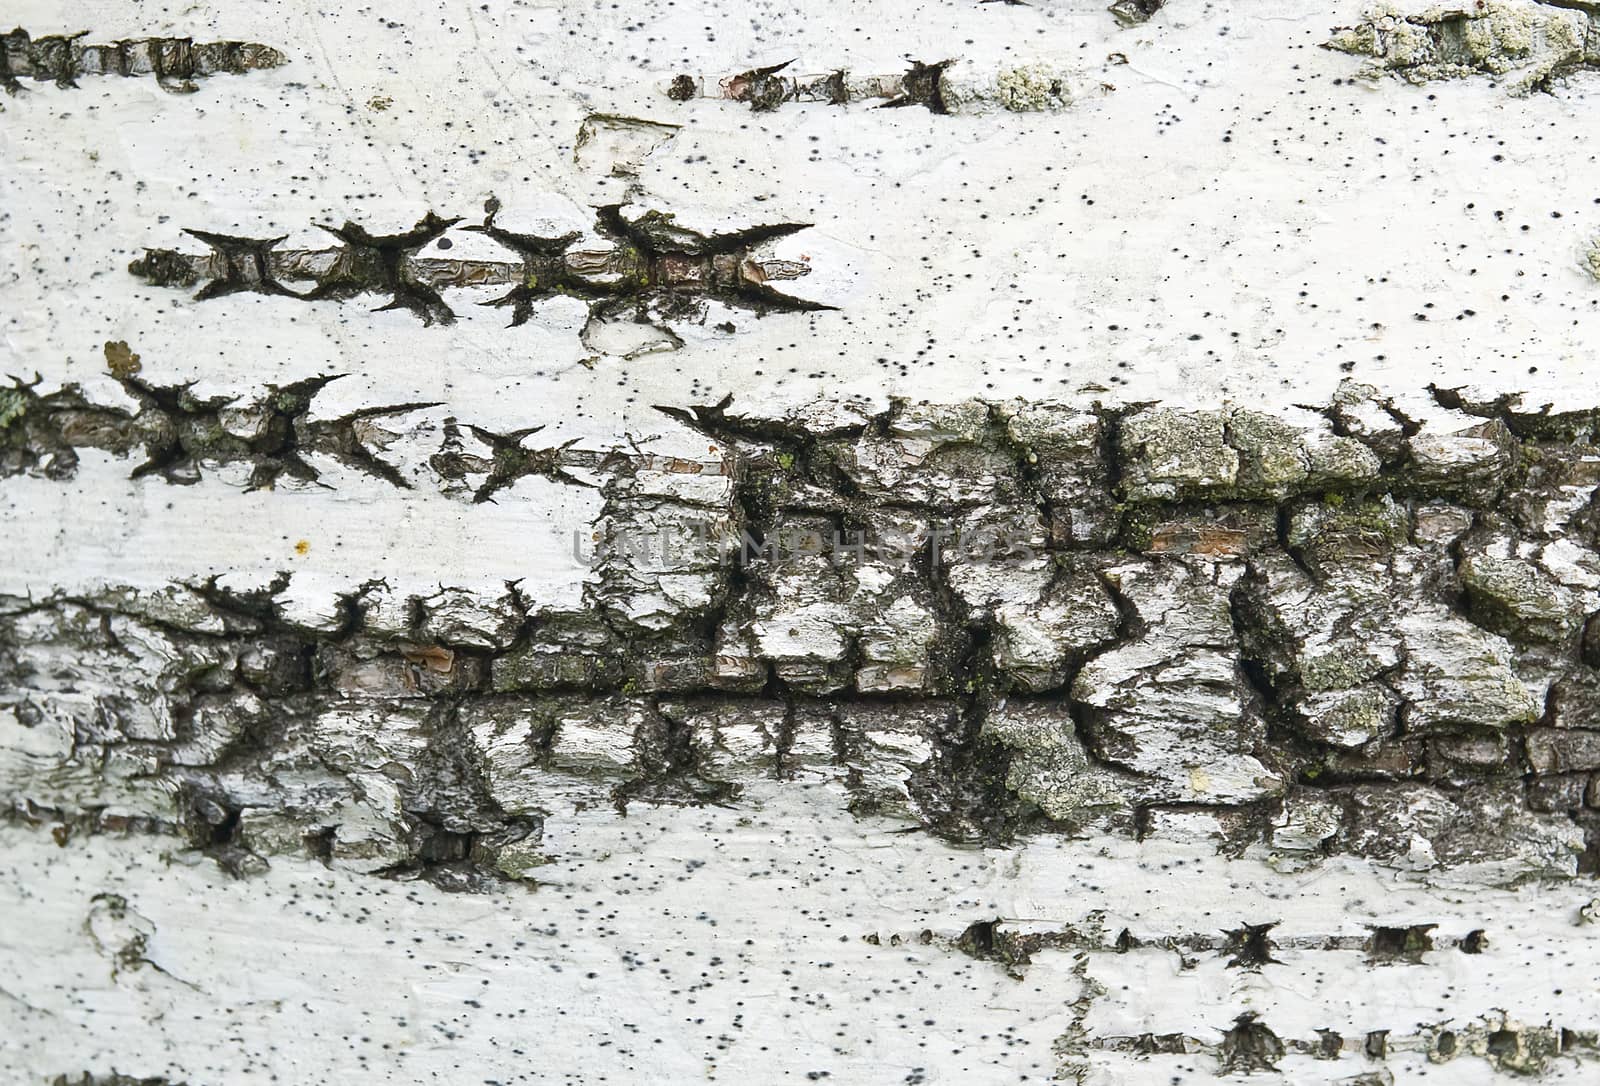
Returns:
(1295, 634)
(987, 542)
(1525, 44)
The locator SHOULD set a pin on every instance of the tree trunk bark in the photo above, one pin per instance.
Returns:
(1074, 557)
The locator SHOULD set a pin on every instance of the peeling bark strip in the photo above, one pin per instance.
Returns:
(175, 62)
(1371, 630)
(1528, 44)
(650, 264)
(945, 86)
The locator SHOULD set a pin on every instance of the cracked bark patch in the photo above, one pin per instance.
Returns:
(176, 63)
(1340, 631)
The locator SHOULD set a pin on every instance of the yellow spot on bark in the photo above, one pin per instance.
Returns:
(1199, 779)
(303, 547)
(120, 360)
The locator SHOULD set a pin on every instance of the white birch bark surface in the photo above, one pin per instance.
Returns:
(345, 737)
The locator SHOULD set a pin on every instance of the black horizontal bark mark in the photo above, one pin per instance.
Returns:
(175, 62)
(654, 270)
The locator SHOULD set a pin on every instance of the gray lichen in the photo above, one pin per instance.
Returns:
(1525, 44)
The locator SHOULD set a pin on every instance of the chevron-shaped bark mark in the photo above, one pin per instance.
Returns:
(178, 432)
(650, 267)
